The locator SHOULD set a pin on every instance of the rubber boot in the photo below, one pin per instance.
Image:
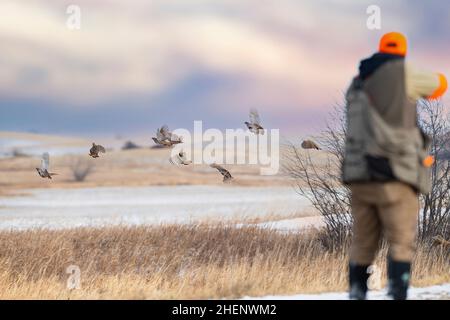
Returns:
(358, 277)
(398, 279)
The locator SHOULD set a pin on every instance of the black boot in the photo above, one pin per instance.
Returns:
(398, 276)
(358, 277)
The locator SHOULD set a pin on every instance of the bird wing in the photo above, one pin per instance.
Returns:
(226, 174)
(164, 133)
(254, 117)
(45, 162)
(227, 177)
(160, 133)
(175, 138)
(100, 148)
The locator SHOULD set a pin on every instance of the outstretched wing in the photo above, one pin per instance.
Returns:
(101, 148)
(225, 173)
(161, 133)
(315, 146)
(165, 133)
(45, 162)
(254, 117)
(175, 138)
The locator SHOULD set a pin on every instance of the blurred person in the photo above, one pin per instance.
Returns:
(386, 164)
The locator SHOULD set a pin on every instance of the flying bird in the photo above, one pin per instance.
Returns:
(165, 137)
(224, 172)
(96, 148)
(255, 123)
(43, 170)
(180, 158)
(308, 144)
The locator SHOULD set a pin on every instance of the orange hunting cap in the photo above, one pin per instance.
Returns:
(393, 43)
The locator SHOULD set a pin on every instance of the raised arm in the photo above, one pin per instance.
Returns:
(424, 84)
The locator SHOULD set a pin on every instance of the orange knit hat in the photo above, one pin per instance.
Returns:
(393, 43)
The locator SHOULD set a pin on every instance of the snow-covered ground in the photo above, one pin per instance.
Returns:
(295, 224)
(62, 208)
(34, 145)
(425, 293)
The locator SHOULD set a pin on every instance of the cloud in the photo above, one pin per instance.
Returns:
(124, 52)
(281, 56)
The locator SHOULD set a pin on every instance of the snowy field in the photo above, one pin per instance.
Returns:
(438, 292)
(294, 224)
(64, 208)
(35, 145)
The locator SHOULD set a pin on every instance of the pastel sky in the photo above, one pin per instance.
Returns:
(136, 64)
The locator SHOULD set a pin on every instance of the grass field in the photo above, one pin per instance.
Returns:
(183, 262)
(218, 241)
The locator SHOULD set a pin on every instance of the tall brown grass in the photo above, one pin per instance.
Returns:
(184, 262)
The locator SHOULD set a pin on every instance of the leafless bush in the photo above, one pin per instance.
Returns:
(129, 145)
(321, 184)
(17, 153)
(81, 167)
(435, 218)
(320, 181)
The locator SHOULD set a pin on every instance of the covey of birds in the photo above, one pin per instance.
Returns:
(255, 123)
(180, 159)
(165, 137)
(309, 144)
(96, 148)
(45, 163)
(224, 172)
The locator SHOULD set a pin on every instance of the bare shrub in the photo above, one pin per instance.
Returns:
(129, 145)
(320, 181)
(17, 153)
(81, 168)
(435, 218)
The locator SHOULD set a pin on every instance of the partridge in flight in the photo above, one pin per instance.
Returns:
(255, 123)
(308, 144)
(96, 148)
(43, 170)
(165, 137)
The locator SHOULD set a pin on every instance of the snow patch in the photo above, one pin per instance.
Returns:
(59, 208)
(437, 292)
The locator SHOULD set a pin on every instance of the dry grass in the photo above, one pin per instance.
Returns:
(184, 262)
